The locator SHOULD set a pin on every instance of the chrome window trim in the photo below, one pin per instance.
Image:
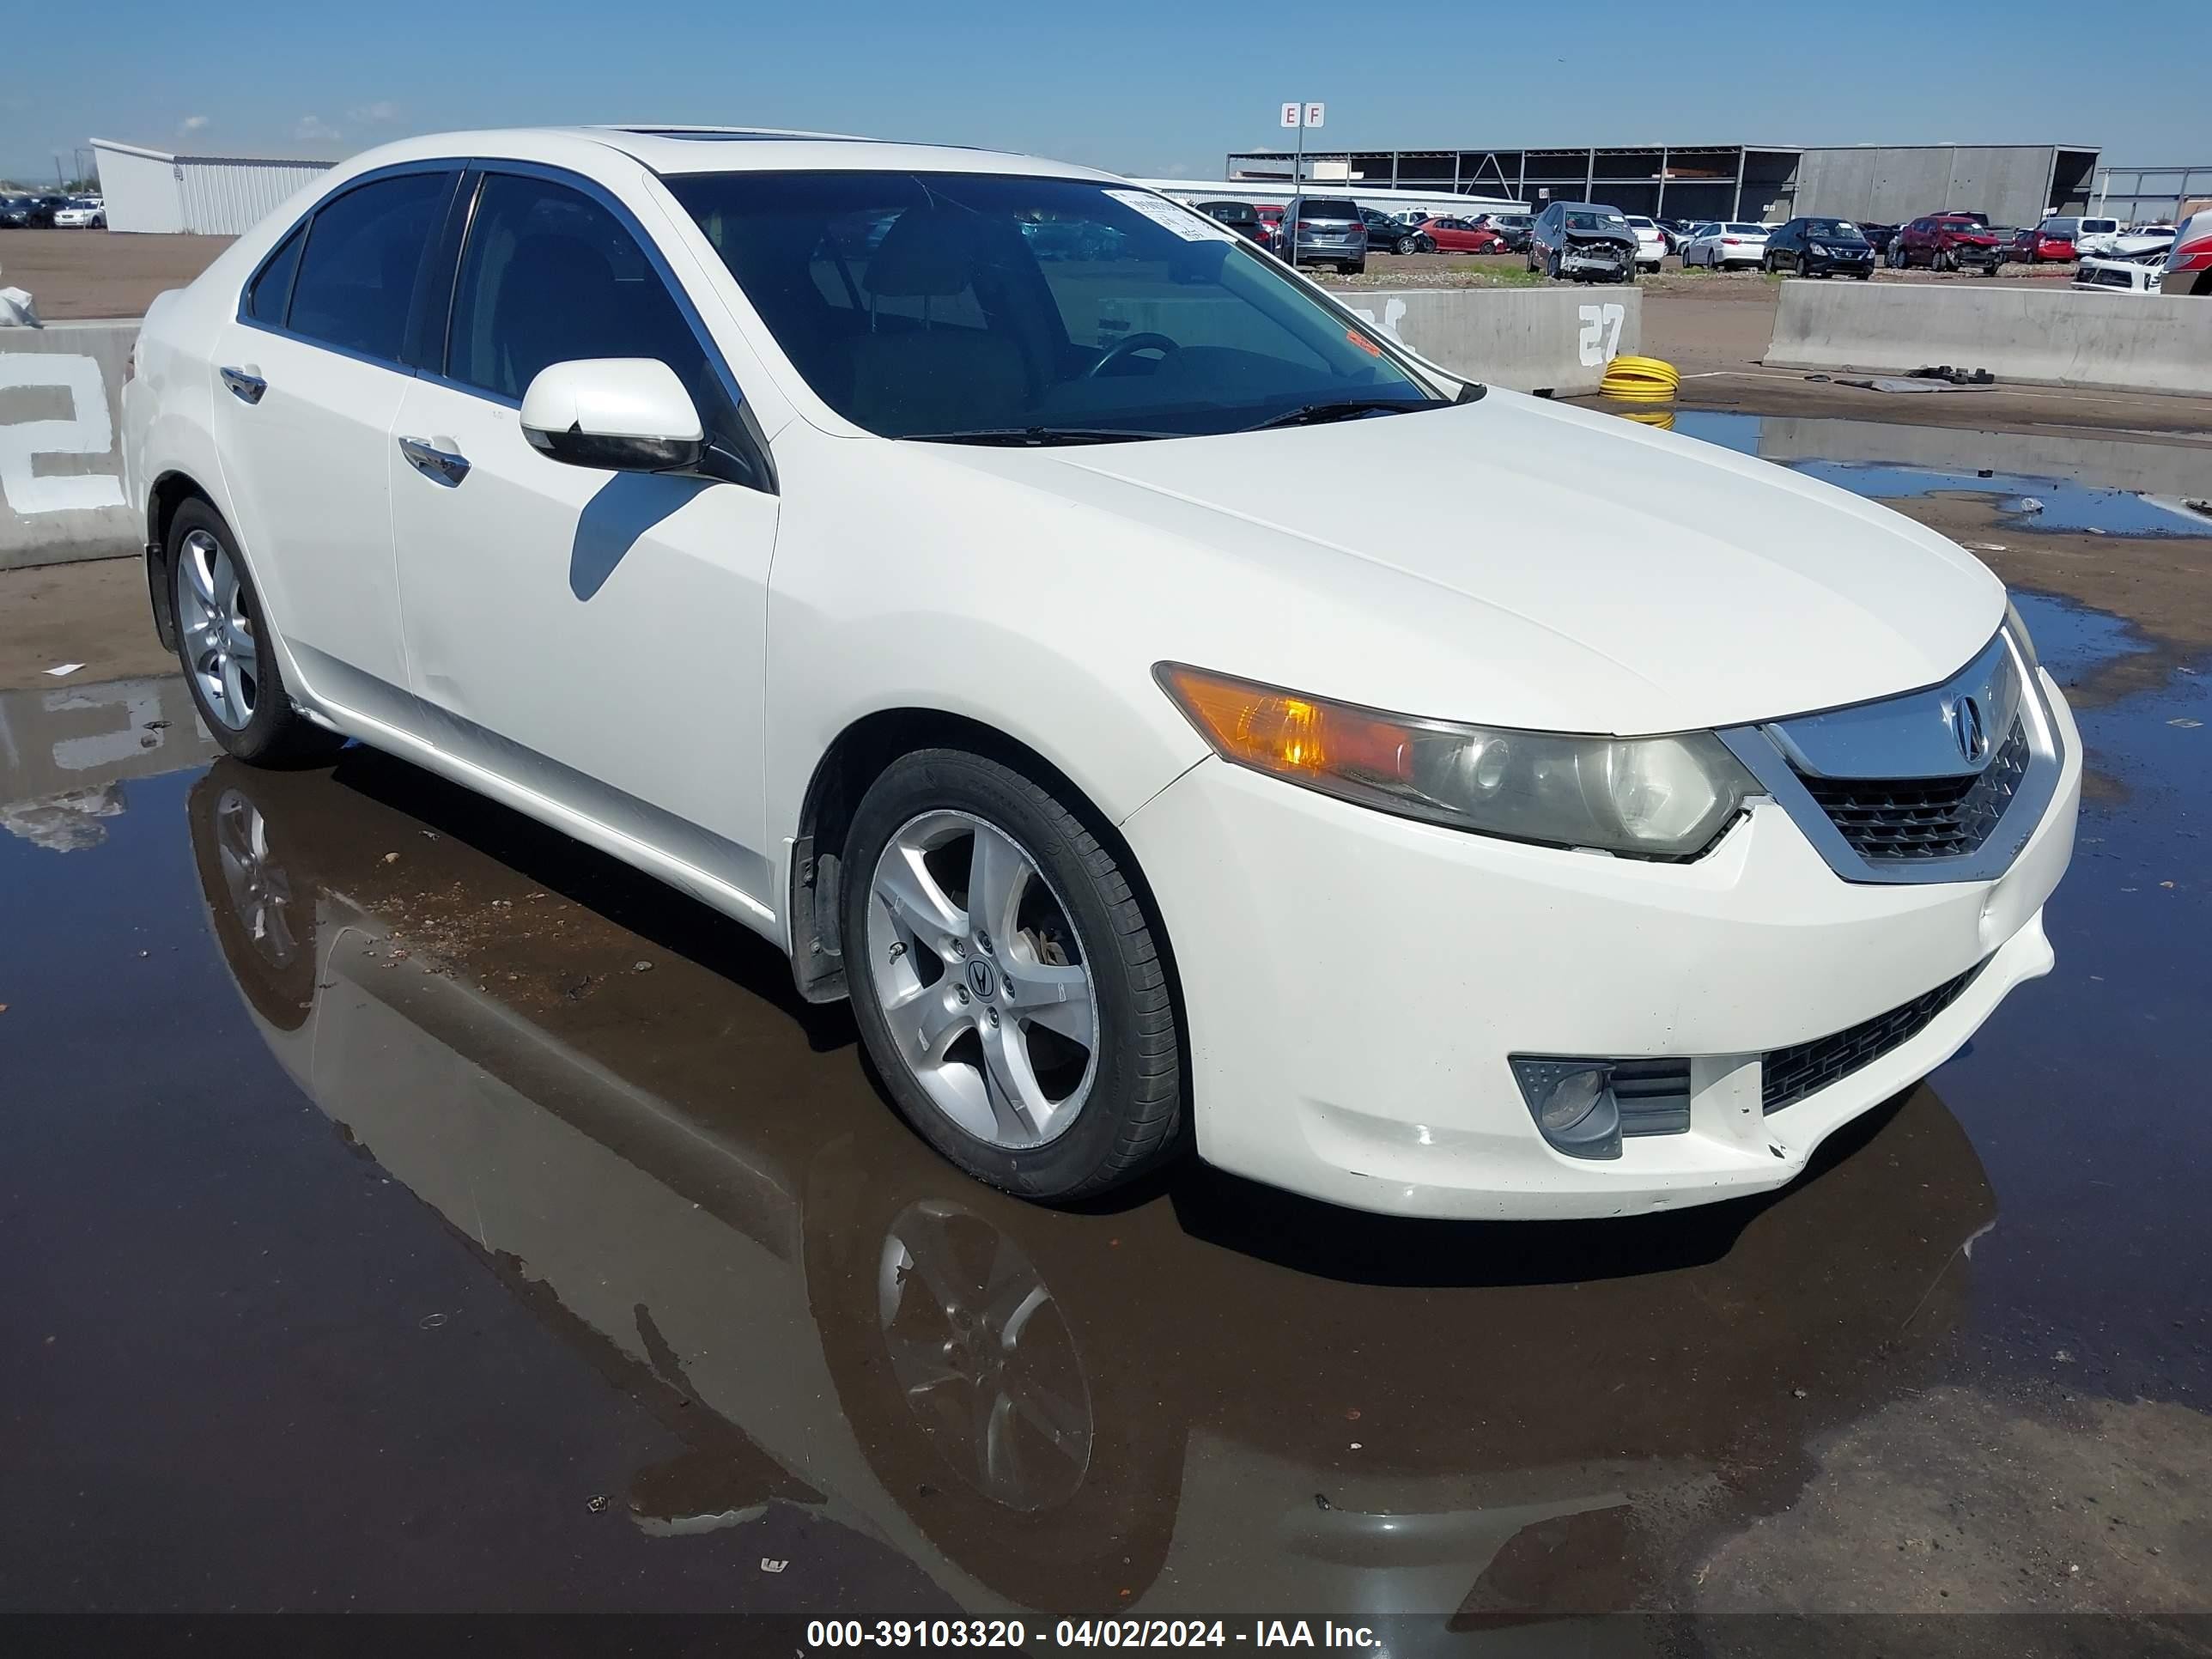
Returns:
(1760, 748)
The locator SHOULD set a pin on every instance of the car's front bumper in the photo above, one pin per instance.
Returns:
(1353, 984)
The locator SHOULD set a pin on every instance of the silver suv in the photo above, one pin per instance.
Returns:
(1326, 230)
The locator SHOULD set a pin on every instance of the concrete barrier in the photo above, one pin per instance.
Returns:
(1558, 339)
(61, 456)
(2062, 336)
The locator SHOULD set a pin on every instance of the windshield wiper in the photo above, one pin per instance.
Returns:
(1343, 409)
(1039, 436)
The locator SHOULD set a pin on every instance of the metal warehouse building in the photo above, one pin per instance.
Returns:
(151, 189)
(2014, 184)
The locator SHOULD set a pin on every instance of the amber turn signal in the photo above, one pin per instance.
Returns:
(1277, 731)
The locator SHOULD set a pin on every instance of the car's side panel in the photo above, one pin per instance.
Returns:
(308, 472)
(608, 623)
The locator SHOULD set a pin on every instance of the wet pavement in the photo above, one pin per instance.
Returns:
(405, 1208)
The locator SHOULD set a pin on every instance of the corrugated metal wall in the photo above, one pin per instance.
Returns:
(224, 196)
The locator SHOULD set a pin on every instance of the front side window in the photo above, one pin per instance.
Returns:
(950, 305)
(357, 275)
(549, 276)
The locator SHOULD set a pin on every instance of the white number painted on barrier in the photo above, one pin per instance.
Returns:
(87, 431)
(1601, 335)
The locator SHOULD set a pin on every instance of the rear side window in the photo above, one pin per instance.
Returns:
(272, 288)
(550, 275)
(356, 278)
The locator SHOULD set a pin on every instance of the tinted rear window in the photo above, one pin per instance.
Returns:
(356, 279)
(1316, 209)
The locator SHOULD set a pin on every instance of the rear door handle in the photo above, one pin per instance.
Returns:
(247, 388)
(439, 466)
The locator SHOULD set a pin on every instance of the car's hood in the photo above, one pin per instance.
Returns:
(1589, 575)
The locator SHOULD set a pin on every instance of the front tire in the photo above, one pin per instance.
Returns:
(229, 653)
(1009, 989)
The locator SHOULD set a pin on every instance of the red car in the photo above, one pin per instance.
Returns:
(2033, 245)
(1945, 242)
(1457, 236)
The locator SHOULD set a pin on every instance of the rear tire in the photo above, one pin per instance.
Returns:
(228, 651)
(1005, 1091)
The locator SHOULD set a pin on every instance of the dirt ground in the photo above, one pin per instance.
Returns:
(76, 274)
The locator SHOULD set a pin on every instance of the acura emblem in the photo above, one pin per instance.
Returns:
(1966, 727)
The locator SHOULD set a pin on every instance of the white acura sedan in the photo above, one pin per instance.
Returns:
(926, 556)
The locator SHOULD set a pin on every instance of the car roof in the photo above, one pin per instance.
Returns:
(674, 150)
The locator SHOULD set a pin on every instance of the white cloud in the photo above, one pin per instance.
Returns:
(381, 112)
(193, 124)
(312, 129)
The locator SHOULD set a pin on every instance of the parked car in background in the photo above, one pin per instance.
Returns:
(1586, 241)
(1945, 242)
(2115, 276)
(1878, 236)
(2130, 244)
(2188, 268)
(1650, 242)
(1241, 217)
(2072, 227)
(1394, 235)
(1722, 246)
(1677, 232)
(1103, 877)
(1820, 247)
(29, 212)
(1461, 236)
(81, 215)
(1513, 229)
(1326, 230)
(2049, 243)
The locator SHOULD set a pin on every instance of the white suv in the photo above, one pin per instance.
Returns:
(927, 557)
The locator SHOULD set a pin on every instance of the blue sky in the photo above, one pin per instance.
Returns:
(1140, 86)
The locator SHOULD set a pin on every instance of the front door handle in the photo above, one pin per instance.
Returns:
(245, 388)
(439, 466)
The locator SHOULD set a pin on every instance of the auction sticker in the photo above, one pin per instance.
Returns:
(1192, 227)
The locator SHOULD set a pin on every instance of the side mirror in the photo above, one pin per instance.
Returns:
(625, 414)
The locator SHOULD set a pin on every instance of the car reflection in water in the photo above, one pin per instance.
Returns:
(1211, 1398)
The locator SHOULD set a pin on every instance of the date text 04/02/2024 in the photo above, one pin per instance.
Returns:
(938, 1633)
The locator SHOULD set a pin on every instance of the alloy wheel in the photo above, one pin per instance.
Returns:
(982, 1354)
(982, 979)
(217, 630)
(259, 891)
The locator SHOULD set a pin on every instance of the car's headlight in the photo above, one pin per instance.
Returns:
(2021, 636)
(1817, 249)
(1655, 797)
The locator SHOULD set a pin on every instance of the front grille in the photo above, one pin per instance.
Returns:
(1892, 819)
(1790, 1074)
(1653, 1095)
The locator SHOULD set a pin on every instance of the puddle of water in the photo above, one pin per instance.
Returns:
(1873, 460)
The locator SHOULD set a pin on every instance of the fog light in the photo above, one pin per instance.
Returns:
(1572, 1102)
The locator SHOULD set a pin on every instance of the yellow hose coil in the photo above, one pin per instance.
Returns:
(1661, 418)
(1640, 380)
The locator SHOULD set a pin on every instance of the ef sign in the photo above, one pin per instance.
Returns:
(1304, 115)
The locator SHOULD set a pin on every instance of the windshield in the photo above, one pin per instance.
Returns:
(1596, 221)
(1840, 230)
(950, 303)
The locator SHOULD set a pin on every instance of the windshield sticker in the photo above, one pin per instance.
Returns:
(1191, 225)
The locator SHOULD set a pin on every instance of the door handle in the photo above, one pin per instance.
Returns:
(439, 465)
(247, 388)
